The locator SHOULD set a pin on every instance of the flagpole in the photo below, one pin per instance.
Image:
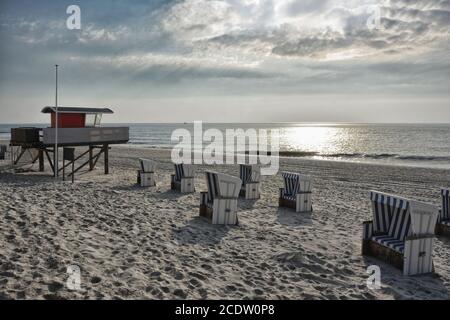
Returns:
(56, 122)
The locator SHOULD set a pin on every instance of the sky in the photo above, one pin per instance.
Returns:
(229, 60)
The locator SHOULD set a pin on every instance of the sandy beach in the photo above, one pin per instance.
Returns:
(149, 243)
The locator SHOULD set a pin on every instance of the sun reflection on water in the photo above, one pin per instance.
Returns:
(318, 139)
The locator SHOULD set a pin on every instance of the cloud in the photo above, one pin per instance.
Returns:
(230, 46)
(218, 25)
(245, 29)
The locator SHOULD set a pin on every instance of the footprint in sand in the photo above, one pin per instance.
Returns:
(155, 274)
(207, 267)
(230, 288)
(197, 275)
(178, 276)
(95, 280)
(55, 286)
(180, 293)
(194, 282)
(165, 289)
(203, 293)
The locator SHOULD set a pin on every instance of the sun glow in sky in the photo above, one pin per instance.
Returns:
(230, 60)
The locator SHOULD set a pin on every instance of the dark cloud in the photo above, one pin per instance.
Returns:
(227, 46)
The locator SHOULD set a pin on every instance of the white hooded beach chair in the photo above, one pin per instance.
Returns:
(296, 193)
(401, 233)
(250, 176)
(443, 225)
(146, 173)
(183, 179)
(219, 204)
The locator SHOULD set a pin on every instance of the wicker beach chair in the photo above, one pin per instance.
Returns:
(250, 176)
(146, 173)
(219, 203)
(443, 224)
(183, 179)
(3, 149)
(401, 233)
(296, 193)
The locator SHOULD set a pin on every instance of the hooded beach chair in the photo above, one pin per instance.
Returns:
(296, 193)
(401, 233)
(146, 173)
(443, 224)
(183, 179)
(219, 204)
(3, 149)
(250, 176)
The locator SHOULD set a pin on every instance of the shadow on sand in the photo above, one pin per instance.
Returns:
(445, 241)
(174, 194)
(25, 179)
(289, 217)
(130, 187)
(246, 204)
(393, 282)
(199, 231)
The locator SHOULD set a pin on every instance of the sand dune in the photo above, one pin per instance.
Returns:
(137, 243)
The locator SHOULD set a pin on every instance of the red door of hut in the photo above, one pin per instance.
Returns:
(69, 120)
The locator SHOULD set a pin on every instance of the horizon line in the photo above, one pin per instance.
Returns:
(236, 122)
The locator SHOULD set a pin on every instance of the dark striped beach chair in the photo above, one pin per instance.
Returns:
(296, 193)
(3, 150)
(250, 176)
(219, 203)
(443, 225)
(146, 173)
(183, 179)
(401, 233)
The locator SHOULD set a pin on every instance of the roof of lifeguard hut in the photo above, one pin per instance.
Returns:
(77, 110)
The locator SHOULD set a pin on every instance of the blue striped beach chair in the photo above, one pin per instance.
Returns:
(250, 176)
(146, 173)
(3, 149)
(401, 233)
(296, 193)
(443, 225)
(219, 203)
(183, 179)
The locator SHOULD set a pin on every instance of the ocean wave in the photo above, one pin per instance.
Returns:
(298, 154)
(360, 155)
(394, 156)
(339, 155)
(425, 158)
(373, 156)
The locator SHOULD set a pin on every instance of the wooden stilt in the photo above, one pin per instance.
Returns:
(80, 156)
(73, 169)
(20, 156)
(49, 160)
(91, 161)
(33, 161)
(41, 161)
(105, 148)
(96, 157)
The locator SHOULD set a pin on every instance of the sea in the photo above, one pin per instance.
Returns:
(421, 145)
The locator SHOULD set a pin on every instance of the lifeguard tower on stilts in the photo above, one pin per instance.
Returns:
(76, 127)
